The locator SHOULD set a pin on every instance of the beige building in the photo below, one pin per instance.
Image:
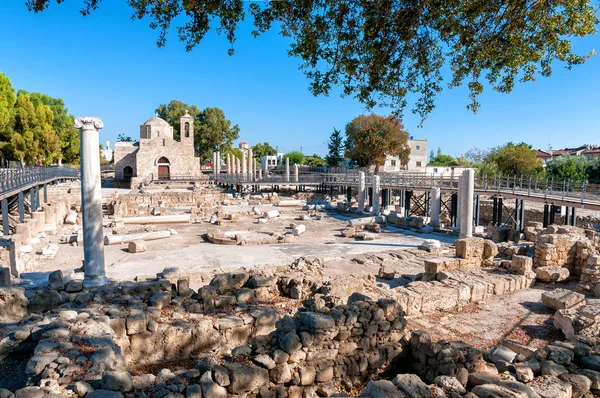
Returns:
(157, 153)
(417, 160)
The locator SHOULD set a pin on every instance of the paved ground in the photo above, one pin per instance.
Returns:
(189, 251)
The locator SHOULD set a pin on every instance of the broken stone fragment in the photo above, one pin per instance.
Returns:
(44, 300)
(349, 232)
(137, 246)
(160, 300)
(299, 230)
(56, 280)
(386, 273)
(552, 274)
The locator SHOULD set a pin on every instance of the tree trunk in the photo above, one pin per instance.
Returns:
(376, 168)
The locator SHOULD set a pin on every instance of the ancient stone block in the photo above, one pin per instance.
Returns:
(469, 247)
(521, 264)
(439, 264)
(560, 299)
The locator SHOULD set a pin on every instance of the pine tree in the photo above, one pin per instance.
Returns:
(336, 149)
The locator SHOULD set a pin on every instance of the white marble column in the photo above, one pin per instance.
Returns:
(435, 198)
(361, 191)
(227, 163)
(214, 163)
(237, 166)
(91, 201)
(255, 169)
(376, 194)
(260, 174)
(466, 210)
(296, 176)
(218, 163)
(287, 169)
(250, 163)
(244, 163)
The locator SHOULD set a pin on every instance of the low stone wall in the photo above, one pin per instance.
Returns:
(563, 246)
(203, 202)
(44, 221)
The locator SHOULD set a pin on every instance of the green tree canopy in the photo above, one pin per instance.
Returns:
(124, 138)
(7, 103)
(296, 157)
(336, 148)
(212, 130)
(315, 161)
(516, 160)
(372, 137)
(568, 167)
(381, 51)
(35, 128)
(443, 160)
(264, 149)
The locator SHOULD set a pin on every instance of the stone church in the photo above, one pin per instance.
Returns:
(157, 153)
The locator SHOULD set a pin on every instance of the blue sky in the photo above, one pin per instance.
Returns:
(109, 66)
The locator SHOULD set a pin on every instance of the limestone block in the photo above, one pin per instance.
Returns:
(521, 264)
(552, 274)
(439, 264)
(137, 246)
(469, 247)
(560, 299)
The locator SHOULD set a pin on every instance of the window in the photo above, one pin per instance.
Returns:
(163, 160)
(418, 147)
(187, 129)
(435, 169)
(393, 163)
(418, 164)
(164, 142)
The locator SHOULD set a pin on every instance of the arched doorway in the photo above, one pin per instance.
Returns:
(127, 173)
(164, 169)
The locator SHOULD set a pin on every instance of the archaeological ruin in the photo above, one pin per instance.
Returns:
(243, 283)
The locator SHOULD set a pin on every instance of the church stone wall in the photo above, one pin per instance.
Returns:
(156, 141)
(181, 158)
(125, 155)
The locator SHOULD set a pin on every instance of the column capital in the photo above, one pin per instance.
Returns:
(88, 123)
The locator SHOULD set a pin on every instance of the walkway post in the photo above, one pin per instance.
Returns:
(466, 211)
(361, 191)
(91, 201)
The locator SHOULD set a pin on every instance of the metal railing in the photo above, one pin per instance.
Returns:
(14, 179)
(547, 189)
